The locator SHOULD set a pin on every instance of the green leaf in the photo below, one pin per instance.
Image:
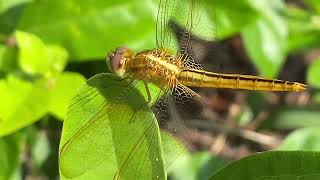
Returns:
(2, 58)
(302, 139)
(32, 53)
(41, 149)
(232, 16)
(316, 98)
(303, 41)
(280, 165)
(304, 29)
(88, 30)
(104, 134)
(291, 118)
(22, 103)
(7, 59)
(37, 58)
(195, 166)
(57, 58)
(313, 76)
(9, 159)
(9, 21)
(245, 116)
(64, 87)
(314, 4)
(265, 40)
(7, 4)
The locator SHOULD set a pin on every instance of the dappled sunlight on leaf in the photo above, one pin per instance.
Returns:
(22, 103)
(115, 137)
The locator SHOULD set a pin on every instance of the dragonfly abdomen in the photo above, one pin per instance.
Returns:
(199, 78)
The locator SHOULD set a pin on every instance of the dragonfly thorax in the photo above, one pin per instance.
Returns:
(158, 66)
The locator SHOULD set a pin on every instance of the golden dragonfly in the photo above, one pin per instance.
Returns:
(172, 70)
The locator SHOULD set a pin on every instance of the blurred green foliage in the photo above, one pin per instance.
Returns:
(314, 73)
(41, 40)
(199, 165)
(302, 139)
(284, 165)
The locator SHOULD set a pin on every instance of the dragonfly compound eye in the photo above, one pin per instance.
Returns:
(117, 60)
(121, 50)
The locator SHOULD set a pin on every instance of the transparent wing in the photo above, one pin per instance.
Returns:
(195, 23)
(186, 99)
(194, 19)
(188, 61)
(163, 32)
(169, 111)
(112, 131)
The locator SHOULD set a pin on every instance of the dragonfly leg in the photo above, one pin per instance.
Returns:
(145, 103)
(148, 92)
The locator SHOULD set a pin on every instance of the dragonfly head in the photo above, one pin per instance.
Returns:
(117, 59)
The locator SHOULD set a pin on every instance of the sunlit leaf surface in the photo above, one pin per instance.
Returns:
(104, 135)
(22, 103)
(35, 57)
(64, 88)
(290, 118)
(32, 53)
(201, 165)
(281, 165)
(7, 4)
(265, 39)
(302, 139)
(225, 16)
(88, 30)
(314, 74)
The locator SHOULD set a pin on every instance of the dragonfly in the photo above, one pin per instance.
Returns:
(172, 71)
